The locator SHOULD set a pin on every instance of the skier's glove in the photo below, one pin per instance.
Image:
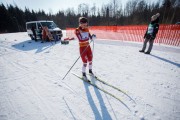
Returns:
(93, 37)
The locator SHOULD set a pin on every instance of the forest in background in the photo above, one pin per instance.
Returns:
(135, 12)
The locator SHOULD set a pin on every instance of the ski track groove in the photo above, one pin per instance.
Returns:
(24, 68)
(45, 105)
(65, 85)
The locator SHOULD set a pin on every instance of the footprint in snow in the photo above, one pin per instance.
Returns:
(142, 117)
(47, 52)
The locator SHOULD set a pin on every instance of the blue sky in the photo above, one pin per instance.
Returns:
(55, 5)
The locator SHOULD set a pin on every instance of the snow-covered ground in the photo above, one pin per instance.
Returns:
(31, 85)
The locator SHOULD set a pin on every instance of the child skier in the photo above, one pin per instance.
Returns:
(83, 35)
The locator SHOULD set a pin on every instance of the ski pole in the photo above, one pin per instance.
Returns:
(93, 38)
(76, 61)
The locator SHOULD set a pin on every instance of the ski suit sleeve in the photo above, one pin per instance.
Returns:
(77, 33)
(90, 36)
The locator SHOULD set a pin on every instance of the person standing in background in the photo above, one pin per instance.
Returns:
(150, 34)
(34, 32)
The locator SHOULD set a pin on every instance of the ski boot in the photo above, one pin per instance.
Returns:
(91, 73)
(84, 77)
(147, 52)
(141, 50)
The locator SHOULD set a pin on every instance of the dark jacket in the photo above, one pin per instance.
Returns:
(33, 30)
(152, 29)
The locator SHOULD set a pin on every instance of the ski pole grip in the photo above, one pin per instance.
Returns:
(93, 36)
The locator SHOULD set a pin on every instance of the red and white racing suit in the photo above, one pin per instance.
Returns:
(83, 36)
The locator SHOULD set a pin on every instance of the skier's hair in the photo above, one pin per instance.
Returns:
(83, 20)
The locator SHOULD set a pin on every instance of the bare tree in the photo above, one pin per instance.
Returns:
(115, 7)
(83, 9)
(93, 9)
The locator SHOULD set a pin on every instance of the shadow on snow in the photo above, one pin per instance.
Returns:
(105, 113)
(29, 45)
(166, 60)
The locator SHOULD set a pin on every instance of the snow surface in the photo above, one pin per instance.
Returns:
(31, 85)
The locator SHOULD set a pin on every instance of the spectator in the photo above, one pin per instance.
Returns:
(44, 34)
(34, 32)
(55, 37)
(40, 32)
(151, 32)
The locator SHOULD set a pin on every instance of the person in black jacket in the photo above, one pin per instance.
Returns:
(151, 32)
(34, 32)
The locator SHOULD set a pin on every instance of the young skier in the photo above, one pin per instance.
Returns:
(151, 32)
(83, 35)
